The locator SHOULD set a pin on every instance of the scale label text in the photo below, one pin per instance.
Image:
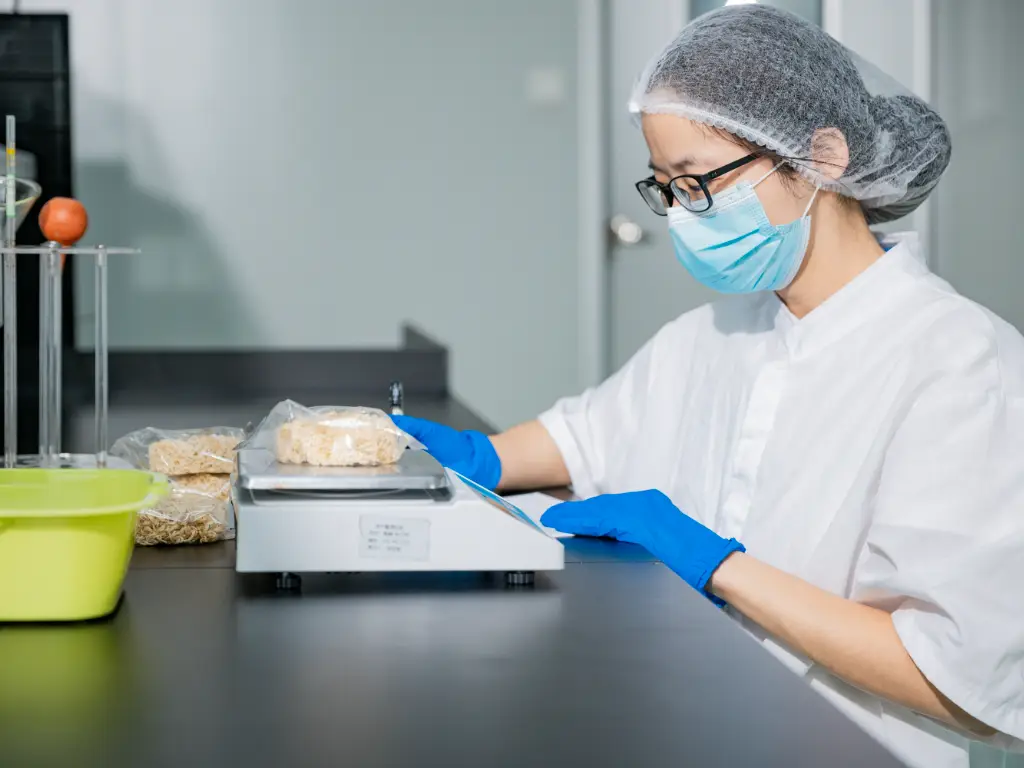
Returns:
(394, 538)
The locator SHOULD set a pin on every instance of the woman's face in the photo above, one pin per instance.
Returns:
(679, 146)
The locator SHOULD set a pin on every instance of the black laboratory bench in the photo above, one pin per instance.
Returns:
(613, 661)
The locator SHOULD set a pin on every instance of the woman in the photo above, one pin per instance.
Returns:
(836, 453)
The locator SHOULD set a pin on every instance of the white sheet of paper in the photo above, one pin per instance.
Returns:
(534, 505)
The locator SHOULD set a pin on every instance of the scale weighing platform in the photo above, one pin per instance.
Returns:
(410, 516)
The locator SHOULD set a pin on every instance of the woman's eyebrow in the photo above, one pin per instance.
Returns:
(680, 165)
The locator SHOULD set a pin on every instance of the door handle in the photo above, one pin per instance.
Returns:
(625, 231)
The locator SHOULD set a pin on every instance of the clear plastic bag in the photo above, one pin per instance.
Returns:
(331, 436)
(199, 462)
(181, 452)
(214, 486)
(185, 517)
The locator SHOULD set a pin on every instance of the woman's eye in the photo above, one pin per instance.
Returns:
(689, 186)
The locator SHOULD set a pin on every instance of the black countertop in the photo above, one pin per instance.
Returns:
(612, 662)
(605, 663)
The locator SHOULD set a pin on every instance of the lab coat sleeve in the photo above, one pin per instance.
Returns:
(594, 429)
(945, 548)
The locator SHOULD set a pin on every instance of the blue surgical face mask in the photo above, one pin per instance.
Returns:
(733, 248)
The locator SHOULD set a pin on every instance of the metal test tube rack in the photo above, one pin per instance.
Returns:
(50, 347)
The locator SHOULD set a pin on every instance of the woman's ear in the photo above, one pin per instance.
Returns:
(830, 152)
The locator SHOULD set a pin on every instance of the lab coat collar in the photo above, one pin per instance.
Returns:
(872, 293)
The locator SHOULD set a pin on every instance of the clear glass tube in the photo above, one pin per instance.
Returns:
(45, 316)
(10, 360)
(10, 311)
(101, 370)
(56, 347)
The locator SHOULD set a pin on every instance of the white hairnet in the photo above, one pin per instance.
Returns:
(774, 79)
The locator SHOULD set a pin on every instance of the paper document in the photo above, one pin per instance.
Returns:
(534, 505)
(499, 501)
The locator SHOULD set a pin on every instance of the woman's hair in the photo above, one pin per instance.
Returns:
(774, 80)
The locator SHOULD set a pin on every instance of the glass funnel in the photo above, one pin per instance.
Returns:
(25, 195)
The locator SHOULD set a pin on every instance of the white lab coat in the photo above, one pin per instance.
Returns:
(874, 448)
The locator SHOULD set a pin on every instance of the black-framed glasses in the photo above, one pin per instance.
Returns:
(690, 190)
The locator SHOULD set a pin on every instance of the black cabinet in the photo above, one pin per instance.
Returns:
(35, 86)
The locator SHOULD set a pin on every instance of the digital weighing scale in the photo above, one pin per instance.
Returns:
(410, 516)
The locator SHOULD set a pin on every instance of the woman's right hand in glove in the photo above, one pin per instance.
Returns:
(469, 453)
(523, 458)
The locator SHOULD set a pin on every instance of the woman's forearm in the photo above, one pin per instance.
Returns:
(855, 642)
(529, 459)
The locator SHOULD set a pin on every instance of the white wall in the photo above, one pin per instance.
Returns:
(311, 173)
(978, 83)
(877, 30)
(809, 9)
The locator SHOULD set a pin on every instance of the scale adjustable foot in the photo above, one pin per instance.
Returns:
(288, 582)
(519, 579)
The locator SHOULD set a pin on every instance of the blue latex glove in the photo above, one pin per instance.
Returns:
(649, 519)
(471, 454)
